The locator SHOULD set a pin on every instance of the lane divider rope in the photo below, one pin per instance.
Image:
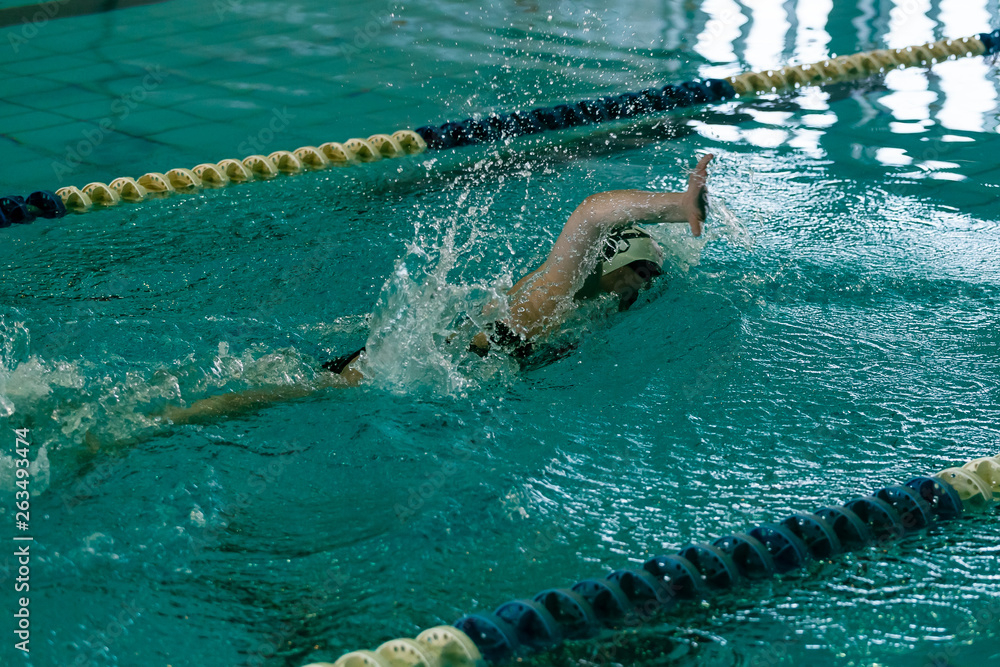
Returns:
(653, 100)
(250, 168)
(504, 127)
(626, 596)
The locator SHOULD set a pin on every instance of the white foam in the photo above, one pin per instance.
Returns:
(416, 341)
(80, 404)
(40, 471)
(726, 225)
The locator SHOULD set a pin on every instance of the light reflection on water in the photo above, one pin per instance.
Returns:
(958, 95)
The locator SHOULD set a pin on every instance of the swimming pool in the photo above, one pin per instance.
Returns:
(836, 333)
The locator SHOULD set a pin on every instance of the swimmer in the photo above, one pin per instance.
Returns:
(600, 250)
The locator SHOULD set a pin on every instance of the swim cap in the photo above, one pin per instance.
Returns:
(627, 245)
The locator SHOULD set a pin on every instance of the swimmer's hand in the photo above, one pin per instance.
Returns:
(695, 200)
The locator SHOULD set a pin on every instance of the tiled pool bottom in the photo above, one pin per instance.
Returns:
(14, 13)
(181, 82)
(155, 87)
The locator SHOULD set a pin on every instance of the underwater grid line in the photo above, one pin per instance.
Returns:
(487, 129)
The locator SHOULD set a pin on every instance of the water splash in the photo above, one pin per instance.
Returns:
(14, 340)
(427, 313)
(727, 226)
(425, 318)
(76, 408)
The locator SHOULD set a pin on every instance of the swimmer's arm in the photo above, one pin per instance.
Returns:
(235, 403)
(535, 297)
(605, 211)
(602, 212)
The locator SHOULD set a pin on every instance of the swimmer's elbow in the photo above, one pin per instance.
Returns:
(599, 202)
(602, 210)
(594, 209)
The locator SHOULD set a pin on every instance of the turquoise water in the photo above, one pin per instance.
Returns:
(836, 332)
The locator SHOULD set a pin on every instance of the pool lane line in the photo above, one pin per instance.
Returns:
(505, 127)
(628, 597)
(41, 13)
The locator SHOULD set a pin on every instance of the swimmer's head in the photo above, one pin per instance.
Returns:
(631, 260)
(627, 246)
